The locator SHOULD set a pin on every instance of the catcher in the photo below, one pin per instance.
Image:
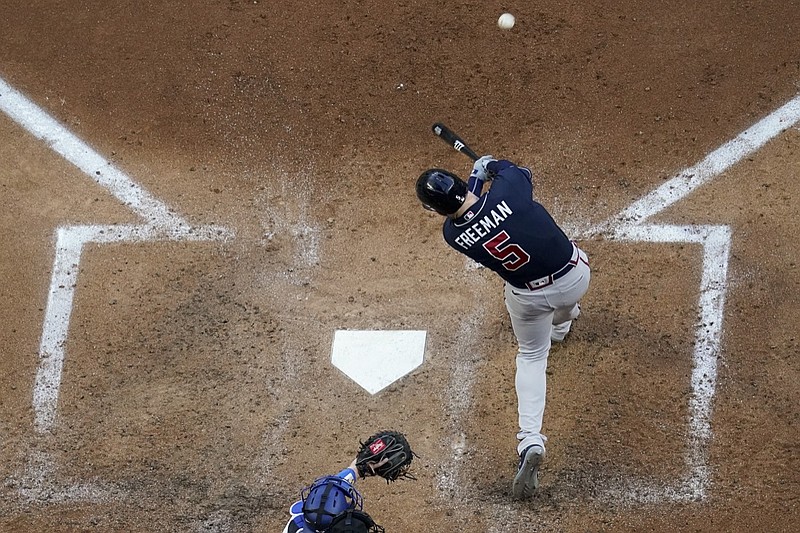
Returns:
(331, 504)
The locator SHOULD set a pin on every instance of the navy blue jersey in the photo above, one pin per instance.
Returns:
(508, 231)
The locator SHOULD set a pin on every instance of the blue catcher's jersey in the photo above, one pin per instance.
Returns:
(296, 523)
(509, 232)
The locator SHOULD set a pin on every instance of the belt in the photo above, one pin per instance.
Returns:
(560, 273)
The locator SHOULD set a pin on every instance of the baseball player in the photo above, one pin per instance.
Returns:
(545, 273)
(331, 505)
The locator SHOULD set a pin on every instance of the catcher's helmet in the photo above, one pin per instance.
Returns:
(441, 191)
(354, 521)
(326, 498)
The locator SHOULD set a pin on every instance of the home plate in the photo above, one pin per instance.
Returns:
(376, 359)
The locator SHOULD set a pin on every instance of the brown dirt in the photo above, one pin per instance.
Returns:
(197, 386)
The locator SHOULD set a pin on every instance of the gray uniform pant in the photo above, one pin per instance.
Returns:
(533, 314)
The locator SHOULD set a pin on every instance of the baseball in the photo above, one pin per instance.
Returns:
(506, 21)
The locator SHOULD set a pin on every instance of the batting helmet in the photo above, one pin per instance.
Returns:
(326, 498)
(354, 521)
(441, 191)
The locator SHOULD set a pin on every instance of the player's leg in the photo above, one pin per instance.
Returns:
(531, 319)
(565, 295)
(562, 322)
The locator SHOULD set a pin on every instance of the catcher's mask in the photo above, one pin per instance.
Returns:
(441, 191)
(355, 521)
(326, 498)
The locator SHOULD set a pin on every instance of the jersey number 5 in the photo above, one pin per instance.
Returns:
(511, 255)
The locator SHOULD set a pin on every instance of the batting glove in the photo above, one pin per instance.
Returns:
(479, 170)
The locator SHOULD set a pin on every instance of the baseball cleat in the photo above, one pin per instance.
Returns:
(527, 479)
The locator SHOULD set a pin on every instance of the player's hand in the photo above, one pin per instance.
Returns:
(479, 170)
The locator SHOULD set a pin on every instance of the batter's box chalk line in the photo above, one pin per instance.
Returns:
(160, 224)
(631, 225)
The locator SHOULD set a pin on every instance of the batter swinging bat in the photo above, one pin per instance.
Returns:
(451, 138)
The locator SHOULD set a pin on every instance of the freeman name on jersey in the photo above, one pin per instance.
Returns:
(479, 229)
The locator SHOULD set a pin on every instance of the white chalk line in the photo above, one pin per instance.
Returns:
(291, 218)
(70, 241)
(714, 164)
(629, 226)
(716, 241)
(458, 395)
(162, 224)
(38, 485)
(42, 126)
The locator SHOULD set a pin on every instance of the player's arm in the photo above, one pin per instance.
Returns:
(479, 175)
(506, 168)
(507, 171)
(349, 474)
(475, 184)
(488, 168)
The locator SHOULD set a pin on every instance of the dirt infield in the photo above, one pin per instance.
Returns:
(264, 200)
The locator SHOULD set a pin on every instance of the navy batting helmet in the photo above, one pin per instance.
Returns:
(441, 191)
(325, 499)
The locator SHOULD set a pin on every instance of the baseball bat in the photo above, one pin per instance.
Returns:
(454, 140)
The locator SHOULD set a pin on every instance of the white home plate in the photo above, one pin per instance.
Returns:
(376, 359)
